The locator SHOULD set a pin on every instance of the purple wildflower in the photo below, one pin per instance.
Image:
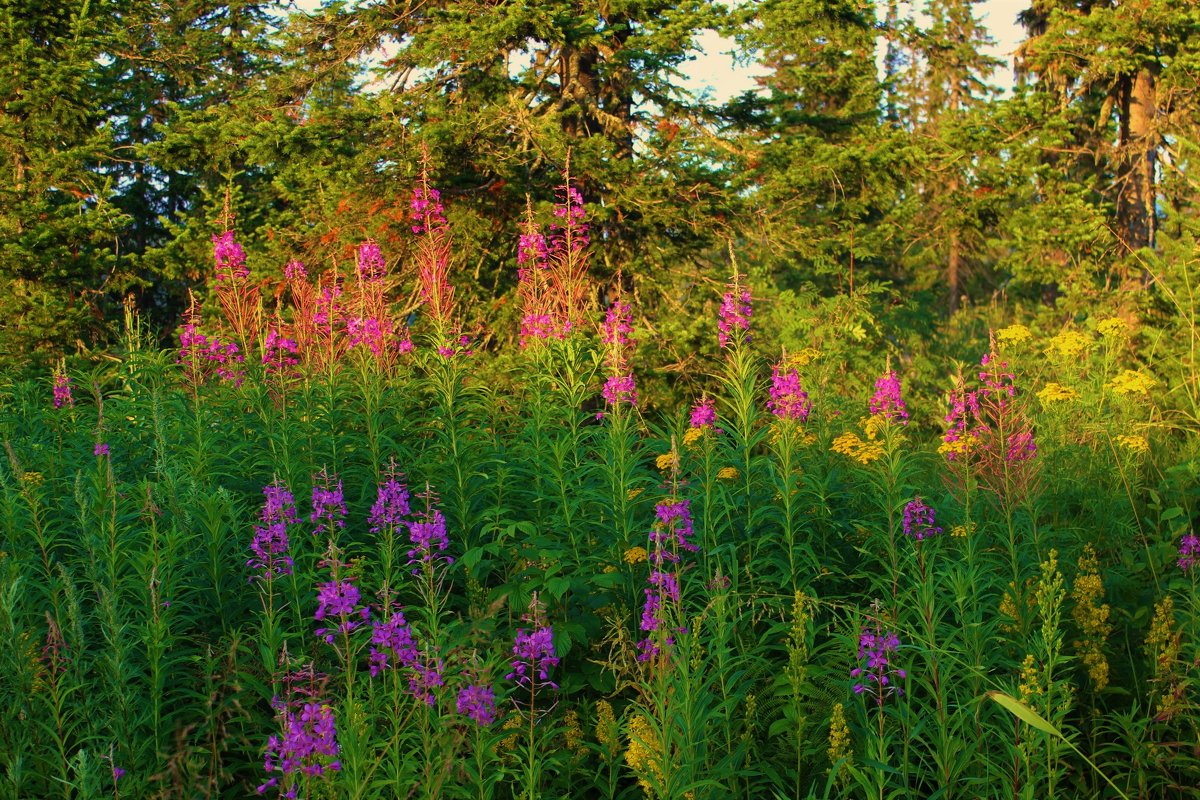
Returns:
(618, 324)
(875, 671)
(477, 702)
(1189, 551)
(427, 209)
(674, 529)
(1021, 447)
(270, 544)
(101, 449)
(788, 400)
(328, 505)
(704, 413)
(295, 271)
(392, 638)
(919, 520)
(339, 599)
(572, 236)
(231, 259)
(279, 353)
(425, 675)
(391, 506)
(429, 537)
(308, 747)
(620, 389)
(533, 656)
(371, 266)
(887, 402)
(62, 390)
(736, 310)
(117, 773)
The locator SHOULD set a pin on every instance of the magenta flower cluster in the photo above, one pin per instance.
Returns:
(427, 209)
(887, 402)
(392, 638)
(230, 258)
(428, 535)
(308, 747)
(339, 600)
(270, 544)
(478, 703)
(919, 520)
(875, 673)
(328, 505)
(736, 310)
(788, 400)
(533, 657)
(280, 353)
(671, 535)
(572, 235)
(391, 506)
(371, 266)
(704, 414)
(213, 355)
(1189, 551)
(62, 391)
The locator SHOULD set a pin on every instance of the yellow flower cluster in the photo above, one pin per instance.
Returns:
(1013, 334)
(635, 555)
(804, 357)
(1133, 442)
(666, 460)
(1113, 328)
(607, 733)
(692, 436)
(643, 754)
(963, 445)
(1031, 684)
(573, 732)
(1068, 344)
(1091, 615)
(1163, 647)
(32, 478)
(1132, 382)
(728, 473)
(839, 740)
(1057, 393)
(864, 452)
(962, 531)
(632, 493)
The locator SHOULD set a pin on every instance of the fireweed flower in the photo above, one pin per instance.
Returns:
(101, 449)
(308, 747)
(1189, 551)
(392, 638)
(477, 702)
(340, 600)
(736, 310)
(671, 534)
(875, 673)
(230, 258)
(270, 543)
(674, 529)
(425, 675)
(279, 353)
(371, 266)
(428, 535)
(533, 657)
(788, 400)
(328, 505)
(619, 387)
(919, 520)
(391, 506)
(62, 389)
(704, 413)
(887, 402)
(427, 209)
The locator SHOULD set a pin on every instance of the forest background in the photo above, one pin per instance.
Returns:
(873, 183)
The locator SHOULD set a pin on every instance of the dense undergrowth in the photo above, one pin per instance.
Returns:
(319, 554)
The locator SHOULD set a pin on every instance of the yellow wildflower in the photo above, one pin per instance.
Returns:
(960, 446)
(1132, 382)
(1113, 328)
(632, 493)
(1163, 646)
(1091, 615)
(572, 732)
(607, 733)
(32, 478)
(1030, 685)
(609, 569)
(1057, 393)
(804, 357)
(963, 531)
(1137, 444)
(509, 743)
(728, 473)
(692, 436)
(1013, 334)
(666, 460)
(635, 555)
(840, 751)
(1069, 344)
(850, 445)
(643, 754)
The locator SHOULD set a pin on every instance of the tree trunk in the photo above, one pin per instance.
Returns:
(1136, 190)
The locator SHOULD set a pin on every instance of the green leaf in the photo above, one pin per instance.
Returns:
(1025, 713)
